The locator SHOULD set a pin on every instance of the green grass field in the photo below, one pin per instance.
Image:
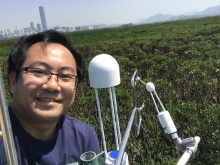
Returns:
(182, 59)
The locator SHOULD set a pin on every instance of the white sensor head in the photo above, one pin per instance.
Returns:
(104, 71)
(150, 87)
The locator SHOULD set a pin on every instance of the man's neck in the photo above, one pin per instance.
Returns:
(41, 132)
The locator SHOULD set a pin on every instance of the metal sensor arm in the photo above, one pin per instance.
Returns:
(189, 145)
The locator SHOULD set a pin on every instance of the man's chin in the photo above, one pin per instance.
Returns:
(48, 114)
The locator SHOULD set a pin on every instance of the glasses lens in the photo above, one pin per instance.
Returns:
(44, 76)
(39, 74)
(67, 79)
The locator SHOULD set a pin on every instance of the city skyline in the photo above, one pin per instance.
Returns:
(80, 13)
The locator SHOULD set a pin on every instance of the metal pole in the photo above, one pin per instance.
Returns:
(125, 139)
(6, 127)
(100, 119)
(116, 115)
(113, 118)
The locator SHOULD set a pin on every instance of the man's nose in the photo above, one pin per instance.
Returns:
(52, 84)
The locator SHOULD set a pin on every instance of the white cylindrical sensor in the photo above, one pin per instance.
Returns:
(104, 71)
(167, 122)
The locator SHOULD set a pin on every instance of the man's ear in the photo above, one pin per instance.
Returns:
(12, 80)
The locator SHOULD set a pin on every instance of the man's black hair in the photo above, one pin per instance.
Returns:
(19, 52)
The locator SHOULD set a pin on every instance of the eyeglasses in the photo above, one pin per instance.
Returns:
(45, 75)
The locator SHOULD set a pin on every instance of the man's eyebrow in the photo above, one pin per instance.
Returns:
(67, 69)
(46, 65)
(40, 63)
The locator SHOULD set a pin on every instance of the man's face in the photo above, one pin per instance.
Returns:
(37, 101)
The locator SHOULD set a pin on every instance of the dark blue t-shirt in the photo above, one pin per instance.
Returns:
(72, 140)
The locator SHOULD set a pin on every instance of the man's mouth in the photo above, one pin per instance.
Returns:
(47, 100)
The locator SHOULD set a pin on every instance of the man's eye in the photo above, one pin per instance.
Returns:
(65, 76)
(40, 72)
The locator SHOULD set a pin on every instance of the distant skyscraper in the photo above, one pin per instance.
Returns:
(39, 27)
(43, 18)
(32, 26)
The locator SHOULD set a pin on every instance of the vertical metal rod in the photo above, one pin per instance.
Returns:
(161, 104)
(154, 102)
(6, 127)
(133, 84)
(100, 119)
(134, 101)
(116, 115)
(113, 118)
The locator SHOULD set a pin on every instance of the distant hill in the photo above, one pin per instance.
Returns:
(157, 18)
(211, 11)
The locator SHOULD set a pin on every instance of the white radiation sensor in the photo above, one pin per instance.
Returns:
(167, 122)
(104, 71)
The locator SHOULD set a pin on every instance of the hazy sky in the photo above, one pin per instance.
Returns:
(19, 13)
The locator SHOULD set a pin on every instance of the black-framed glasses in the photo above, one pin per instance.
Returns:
(45, 75)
